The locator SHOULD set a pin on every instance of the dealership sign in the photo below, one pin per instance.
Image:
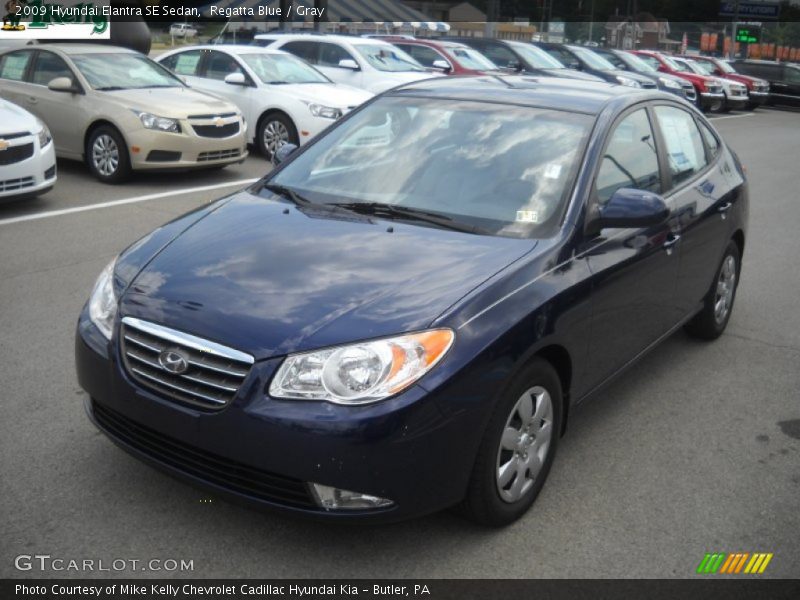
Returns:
(36, 19)
(754, 10)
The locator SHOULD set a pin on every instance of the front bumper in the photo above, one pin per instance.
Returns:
(264, 451)
(31, 176)
(711, 100)
(757, 98)
(736, 102)
(151, 149)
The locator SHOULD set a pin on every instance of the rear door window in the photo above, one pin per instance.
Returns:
(308, 51)
(14, 65)
(684, 143)
(185, 63)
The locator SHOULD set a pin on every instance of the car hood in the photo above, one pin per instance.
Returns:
(14, 119)
(175, 103)
(329, 94)
(268, 278)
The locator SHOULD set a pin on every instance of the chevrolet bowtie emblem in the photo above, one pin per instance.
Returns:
(219, 122)
(3, 145)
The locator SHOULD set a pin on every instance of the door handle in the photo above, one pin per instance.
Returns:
(722, 210)
(32, 100)
(671, 241)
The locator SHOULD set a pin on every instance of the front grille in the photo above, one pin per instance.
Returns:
(648, 84)
(218, 155)
(20, 183)
(212, 131)
(688, 91)
(12, 136)
(163, 156)
(213, 373)
(211, 468)
(221, 116)
(15, 154)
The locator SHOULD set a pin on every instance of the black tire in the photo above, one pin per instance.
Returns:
(483, 502)
(277, 122)
(103, 171)
(709, 324)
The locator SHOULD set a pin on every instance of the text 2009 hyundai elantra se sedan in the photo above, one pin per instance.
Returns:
(401, 317)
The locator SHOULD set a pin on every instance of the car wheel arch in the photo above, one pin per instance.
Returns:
(96, 124)
(738, 239)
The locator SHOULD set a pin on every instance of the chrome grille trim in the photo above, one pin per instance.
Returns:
(214, 375)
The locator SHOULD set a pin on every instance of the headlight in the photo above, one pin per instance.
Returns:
(326, 112)
(103, 302)
(669, 83)
(363, 372)
(44, 135)
(151, 121)
(628, 81)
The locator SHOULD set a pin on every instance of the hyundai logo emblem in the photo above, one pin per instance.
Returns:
(173, 361)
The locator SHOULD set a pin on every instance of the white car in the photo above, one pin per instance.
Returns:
(283, 98)
(736, 97)
(365, 63)
(182, 30)
(27, 158)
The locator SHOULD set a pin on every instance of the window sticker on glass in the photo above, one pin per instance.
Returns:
(14, 67)
(187, 63)
(678, 139)
(527, 216)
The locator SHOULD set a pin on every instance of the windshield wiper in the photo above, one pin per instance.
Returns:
(289, 193)
(413, 214)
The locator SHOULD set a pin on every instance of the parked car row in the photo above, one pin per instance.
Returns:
(201, 106)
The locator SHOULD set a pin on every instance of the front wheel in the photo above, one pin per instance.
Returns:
(713, 318)
(107, 155)
(274, 130)
(517, 449)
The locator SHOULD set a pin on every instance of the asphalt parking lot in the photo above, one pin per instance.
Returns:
(696, 449)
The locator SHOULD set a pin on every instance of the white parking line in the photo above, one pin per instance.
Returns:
(135, 199)
(715, 118)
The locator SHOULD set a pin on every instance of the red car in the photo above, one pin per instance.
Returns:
(757, 89)
(710, 95)
(451, 58)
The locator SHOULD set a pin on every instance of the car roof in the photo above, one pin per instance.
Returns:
(72, 49)
(231, 48)
(432, 43)
(316, 37)
(543, 92)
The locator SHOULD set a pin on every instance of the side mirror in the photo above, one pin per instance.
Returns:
(349, 63)
(628, 207)
(442, 65)
(62, 84)
(282, 153)
(235, 79)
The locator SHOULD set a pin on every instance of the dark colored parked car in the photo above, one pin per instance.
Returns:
(451, 58)
(521, 57)
(709, 93)
(757, 88)
(587, 61)
(783, 78)
(402, 316)
(625, 61)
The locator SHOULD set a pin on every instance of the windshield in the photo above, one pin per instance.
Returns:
(536, 57)
(471, 59)
(637, 64)
(388, 58)
(595, 61)
(702, 67)
(674, 64)
(725, 67)
(282, 68)
(496, 167)
(129, 71)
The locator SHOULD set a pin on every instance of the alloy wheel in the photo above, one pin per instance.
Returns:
(524, 444)
(275, 135)
(105, 155)
(726, 285)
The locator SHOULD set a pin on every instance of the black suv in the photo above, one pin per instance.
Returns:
(784, 79)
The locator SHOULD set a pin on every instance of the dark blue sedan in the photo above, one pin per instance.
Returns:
(401, 317)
